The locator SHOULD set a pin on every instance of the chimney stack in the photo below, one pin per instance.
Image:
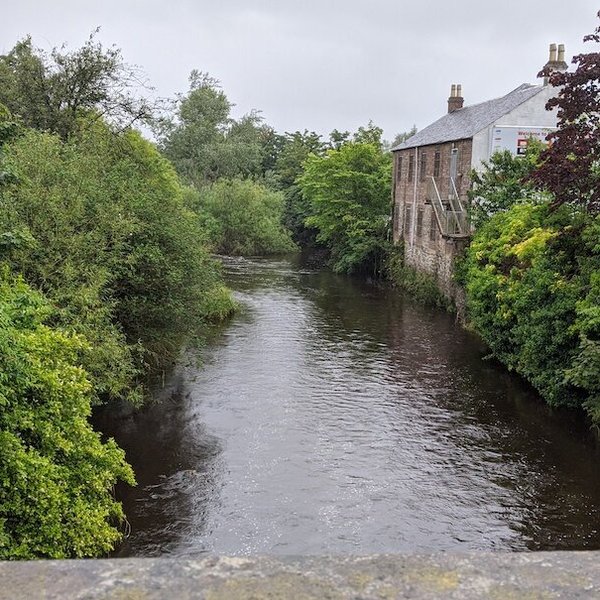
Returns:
(456, 101)
(556, 61)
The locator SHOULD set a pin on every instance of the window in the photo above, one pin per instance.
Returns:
(453, 164)
(420, 222)
(399, 167)
(423, 167)
(433, 227)
(407, 217)
(436, 163)
(411, 166)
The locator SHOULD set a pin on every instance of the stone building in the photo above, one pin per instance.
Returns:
(431, 169)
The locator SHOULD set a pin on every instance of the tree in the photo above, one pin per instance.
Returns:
(204, 142)
(56, 474)
(371, 134)
(338, 138)
(502, 182)
(349, 193)
(296, 148)
(98, 223)
(246, 218)
(50, 91)
(402, 137)
(570, 166)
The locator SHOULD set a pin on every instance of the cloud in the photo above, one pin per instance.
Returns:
(319, 64)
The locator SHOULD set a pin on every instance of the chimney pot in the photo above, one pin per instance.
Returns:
(556, 61)
(456, 101)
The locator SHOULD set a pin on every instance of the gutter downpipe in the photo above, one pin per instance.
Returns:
(413, 215)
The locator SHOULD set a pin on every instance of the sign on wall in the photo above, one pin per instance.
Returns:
(515, 139)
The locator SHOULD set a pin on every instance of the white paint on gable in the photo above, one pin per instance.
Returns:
(531, 113)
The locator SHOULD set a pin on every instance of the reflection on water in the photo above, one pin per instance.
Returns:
(336, 417)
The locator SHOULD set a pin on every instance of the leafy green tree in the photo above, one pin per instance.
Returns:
(205, 143)
(246, 218)
(504, 181)
(338, 138)
(371, 134)
(295, 149)
(531, 276)
(56, 475)
(50, 91)
(103, 231)
(349, 193)
(272, 144)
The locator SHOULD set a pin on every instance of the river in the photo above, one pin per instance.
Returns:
(332, 416)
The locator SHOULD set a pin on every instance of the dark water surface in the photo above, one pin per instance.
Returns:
(332, 416)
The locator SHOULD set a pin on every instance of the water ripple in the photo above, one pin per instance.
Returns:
(334, 417)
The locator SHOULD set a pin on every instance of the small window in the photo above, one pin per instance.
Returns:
(433, 227)
(420, 222)
(399, 168)
(407, 218)
(436, 163)
(411, 166)
(423, 167)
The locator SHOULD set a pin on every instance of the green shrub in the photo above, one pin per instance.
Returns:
(56, 475)
(531, 277)
(99, 224)
(245, 218)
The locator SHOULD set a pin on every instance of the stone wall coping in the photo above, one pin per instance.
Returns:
(443, 575)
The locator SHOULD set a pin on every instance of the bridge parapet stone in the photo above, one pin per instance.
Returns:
(444, 575)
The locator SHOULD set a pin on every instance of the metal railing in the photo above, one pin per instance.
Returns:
(451, 216)
(454, 198)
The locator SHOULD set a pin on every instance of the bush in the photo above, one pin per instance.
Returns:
(531, 277)
(56, 475)
(245, 218)
(99, 224)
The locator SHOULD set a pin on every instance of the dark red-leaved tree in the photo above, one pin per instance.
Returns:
(570, 166)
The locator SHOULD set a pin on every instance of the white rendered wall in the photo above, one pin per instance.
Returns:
(532, 113)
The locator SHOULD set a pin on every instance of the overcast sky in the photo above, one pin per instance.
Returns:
(321, 64)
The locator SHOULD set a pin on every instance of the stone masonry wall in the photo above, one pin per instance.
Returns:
(425, 248)
(479, 575)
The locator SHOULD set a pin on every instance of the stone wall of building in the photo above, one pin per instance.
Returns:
(415, 225)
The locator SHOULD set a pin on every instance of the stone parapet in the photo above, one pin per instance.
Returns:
(445, 575)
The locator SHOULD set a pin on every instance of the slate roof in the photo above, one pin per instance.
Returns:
(467, 121)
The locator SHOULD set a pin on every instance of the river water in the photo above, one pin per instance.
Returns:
(333, 416)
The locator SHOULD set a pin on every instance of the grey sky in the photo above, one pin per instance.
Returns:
(322, 64)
